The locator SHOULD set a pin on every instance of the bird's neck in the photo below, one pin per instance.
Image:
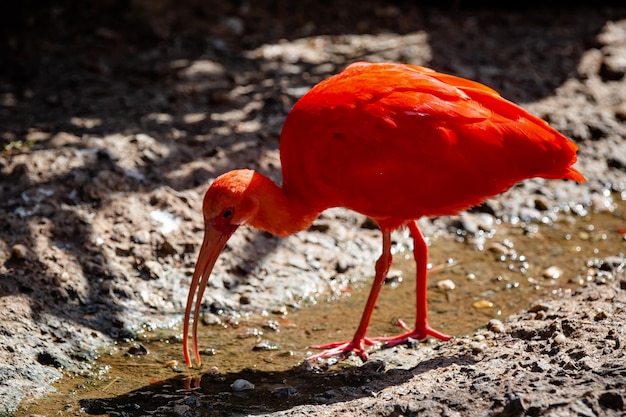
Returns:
(279, 213)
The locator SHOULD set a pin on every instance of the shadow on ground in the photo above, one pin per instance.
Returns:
(211, 394)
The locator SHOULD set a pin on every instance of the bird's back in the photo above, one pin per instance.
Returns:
(398, 142)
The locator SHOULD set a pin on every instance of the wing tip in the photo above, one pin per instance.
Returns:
(573, 174)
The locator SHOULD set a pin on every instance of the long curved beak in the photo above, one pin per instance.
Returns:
(212, 245)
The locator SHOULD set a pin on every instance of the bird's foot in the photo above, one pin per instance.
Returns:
(419, 333)
(342, 349)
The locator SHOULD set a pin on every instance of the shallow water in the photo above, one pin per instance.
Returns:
(495, 273)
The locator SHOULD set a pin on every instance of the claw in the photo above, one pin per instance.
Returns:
(357, 346)
(417, 334)
(342, 349)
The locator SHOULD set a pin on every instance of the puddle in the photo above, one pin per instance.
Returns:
(515, 266)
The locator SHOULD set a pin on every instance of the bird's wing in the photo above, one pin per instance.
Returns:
(410, 141)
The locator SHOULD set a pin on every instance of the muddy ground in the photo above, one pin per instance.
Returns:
(115, 115)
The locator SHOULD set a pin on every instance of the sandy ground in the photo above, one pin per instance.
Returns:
(114, 116)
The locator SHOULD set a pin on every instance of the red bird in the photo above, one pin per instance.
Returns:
(391, 141)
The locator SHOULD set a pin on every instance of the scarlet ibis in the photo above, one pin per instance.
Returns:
(394, 142)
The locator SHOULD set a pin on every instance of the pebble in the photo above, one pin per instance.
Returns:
(446, 285)
(612, 400)
(478, 347)
(541, 204)
(137, 349)
(394, 277)
(19, 251)
(272, 325)
(538, 307)
(253, 332)
(172, 364)
(283, 392)
(552, 272)
(498, 249)
(559, 338)
(495, 326)
(600, 315)
(242, 385)
(482, 304)
(210, 319)
(612, 263)
(208, 352)
(265, 345)
(154, 269)
(141, 237)
(181, 409)
(282, 310)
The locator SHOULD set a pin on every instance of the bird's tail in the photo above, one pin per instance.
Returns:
(573, 174)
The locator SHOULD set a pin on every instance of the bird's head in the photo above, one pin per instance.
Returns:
(229, 202)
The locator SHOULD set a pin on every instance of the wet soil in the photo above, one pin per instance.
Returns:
(267, 350)
(114, 116)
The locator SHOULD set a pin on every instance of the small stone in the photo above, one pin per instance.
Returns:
(495, 326)
(478, 347)
(535, 308)
(141, 237)
(272, 325)
(331, 393)
(611, 400)
(242, 385)
(394, 277)
(515, 406)
(540, 366)
(181, 409)
(265, 345)
(137, 349)
(208, 352)
(446, 285)
(482, 304)
(600, 315)
(612, 263)
(172, 364)
(249, 333)
(342, 266)
(154, 269)
(498, 249)
(19, 251)
(210, 319)
(552, 272)
(282, 310)
(559, 338)
(284, 392)
(541, 204)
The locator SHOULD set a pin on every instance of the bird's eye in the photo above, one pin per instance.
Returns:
(227, 213)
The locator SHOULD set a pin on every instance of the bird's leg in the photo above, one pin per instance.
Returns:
(359, 341)
(422, 330)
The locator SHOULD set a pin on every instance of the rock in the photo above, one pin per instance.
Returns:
(283, 392)
(446, 285)
(552, 272)
(137, 349)
(495, 326)
(242, 385)
(265, 345)
(612, 400)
